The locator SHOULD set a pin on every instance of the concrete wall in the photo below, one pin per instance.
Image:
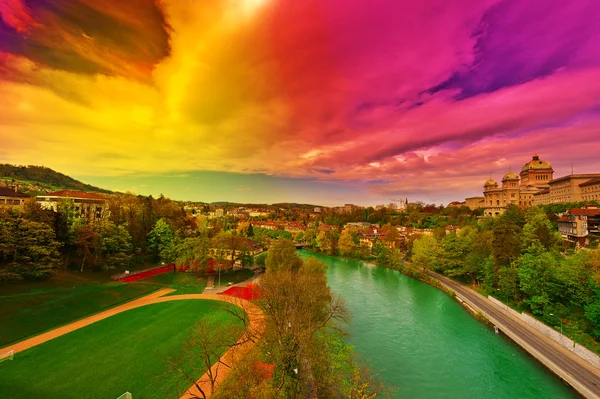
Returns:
(563, 340)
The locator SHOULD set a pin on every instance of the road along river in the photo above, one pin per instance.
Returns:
(427, 344)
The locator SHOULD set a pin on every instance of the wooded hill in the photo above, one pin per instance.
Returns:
(37, 179)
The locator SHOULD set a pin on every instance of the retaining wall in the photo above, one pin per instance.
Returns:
(563, 340)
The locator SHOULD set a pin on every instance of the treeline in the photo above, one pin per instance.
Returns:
(47, 176)
(387, 250)
(136, 229)
(417, 215)
(520, 258)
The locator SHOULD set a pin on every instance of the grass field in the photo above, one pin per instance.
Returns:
(125, 352)
(183, 283)
(233, 276)
(30, 308)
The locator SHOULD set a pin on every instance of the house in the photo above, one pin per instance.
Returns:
(12, 197)
(578, 223)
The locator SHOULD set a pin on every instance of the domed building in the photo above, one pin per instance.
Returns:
(517, 189)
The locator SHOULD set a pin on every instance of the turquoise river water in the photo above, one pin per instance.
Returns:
(427, 345)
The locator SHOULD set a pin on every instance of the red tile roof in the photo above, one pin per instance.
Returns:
(73, 194)
(586, 212)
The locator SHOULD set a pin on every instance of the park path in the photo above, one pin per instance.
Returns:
(255, 329)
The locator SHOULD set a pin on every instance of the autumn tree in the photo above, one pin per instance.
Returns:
(324, 242)
(346, 244)
(283, 256)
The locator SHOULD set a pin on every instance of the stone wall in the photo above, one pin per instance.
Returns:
(563, 340)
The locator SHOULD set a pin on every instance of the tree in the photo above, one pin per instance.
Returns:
(346, 244)
(539, 230)
(29, 247)
(299, 237)
(114, 244)
(391, 236)
(283, 256)
(323, 242)
(426, 252)
(506, 242)
(86, 241)
(535, 270)
(193, 251)
(297, 304)
(160, 239)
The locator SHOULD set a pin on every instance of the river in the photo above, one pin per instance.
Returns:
(427, 345)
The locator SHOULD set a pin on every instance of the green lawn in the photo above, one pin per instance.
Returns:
(125, 352)
(28, 314)
(233, 276)
(183, 283)
(29, 308)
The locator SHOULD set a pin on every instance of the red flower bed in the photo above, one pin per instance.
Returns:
(129, 278)
(249, 292)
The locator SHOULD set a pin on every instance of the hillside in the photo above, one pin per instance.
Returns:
(39, 179)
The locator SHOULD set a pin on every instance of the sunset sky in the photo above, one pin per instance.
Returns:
(320, 101)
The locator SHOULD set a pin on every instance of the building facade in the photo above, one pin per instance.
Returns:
(577, 224)
(85, 205)
(518, 190)
(12, 197)
(570, 188)
(590, 190)
(475, 202)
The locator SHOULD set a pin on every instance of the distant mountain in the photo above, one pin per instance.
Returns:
(293, 205)
(39, 179)
(283, 205)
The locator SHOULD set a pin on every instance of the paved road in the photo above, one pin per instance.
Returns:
(584, 377)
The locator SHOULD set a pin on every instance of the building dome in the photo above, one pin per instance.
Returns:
(510, 176)
(536, 163)
(490, 182)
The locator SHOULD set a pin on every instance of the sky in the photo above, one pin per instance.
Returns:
(316, 101)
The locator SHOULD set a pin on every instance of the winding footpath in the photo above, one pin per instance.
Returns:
(580, 374)
(255, 329)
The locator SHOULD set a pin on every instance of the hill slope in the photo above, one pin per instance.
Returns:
(38, 179)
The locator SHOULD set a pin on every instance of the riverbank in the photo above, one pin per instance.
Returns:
(575, 371)
(423, 342)
(581, 375)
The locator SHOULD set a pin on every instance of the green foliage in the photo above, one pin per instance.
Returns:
(261, 259)
(538, 230)
(283, 256)
(191, 251)
(161, 238)
(535, 270)
(427, 253)
(506, 242)
(29, 248)
(517, 257)
(324, 242)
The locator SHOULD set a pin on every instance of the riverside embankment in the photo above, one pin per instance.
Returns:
(427, 344)
(580, 374)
